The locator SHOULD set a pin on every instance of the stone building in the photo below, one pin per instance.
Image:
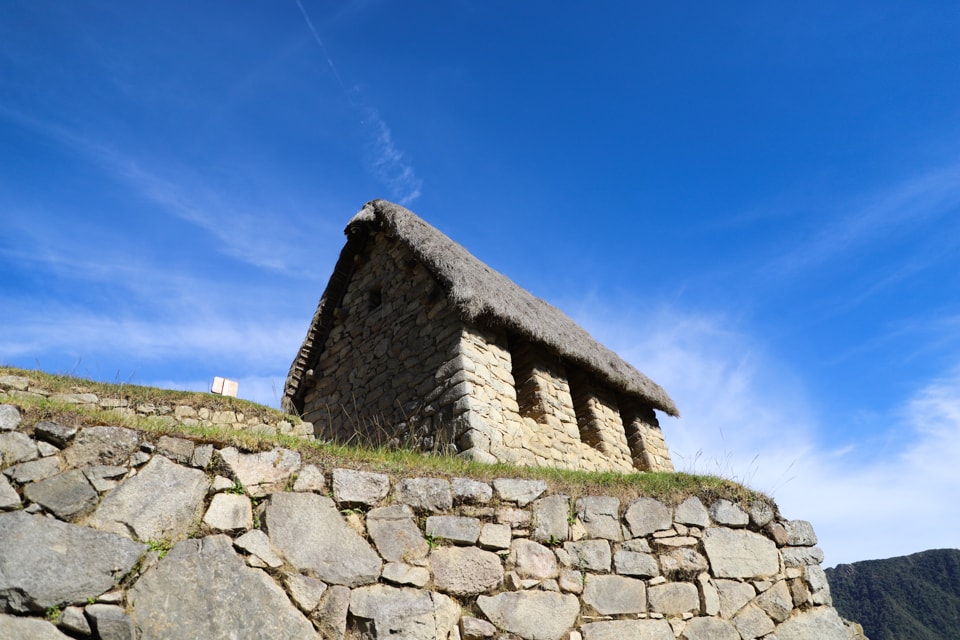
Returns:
(415, 342)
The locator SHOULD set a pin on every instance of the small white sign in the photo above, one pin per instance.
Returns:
(224, 387)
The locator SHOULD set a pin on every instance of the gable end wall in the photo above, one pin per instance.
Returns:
(376, 377)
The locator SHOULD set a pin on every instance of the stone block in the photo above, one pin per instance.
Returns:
(600, 516)
(726, 513)
(478, 455)
(495, 536)
(83, 562)
(177, 449)
(359, 488)
(161, 502)
(532, 560)
(405, 575)
(204, 584)
(816, 578)
(709, 595)
(801, 556)
(396, 534)
(330, 616)
(521, 492)
(309, 532)
(776, 602)
(456, 529)
(306, 592)
(465, 571)
(704, 628)
(570, 581)
(515, 518)
(110, 622)
(309, 479)
(9, 417)
(822, 623)
(740, 554)
(467, 491)
(550, 519)
(425, 494)
(202, 454)
(73, 621)
(14, 383)
(761, 513)
(381, 611)
(674, 598)
(778, 533)
(614, 595)
(532, 615)
(800, 533)
(76, 398)
(229, 512)
(34, 470)
(16, 447)
(101, 446)
(752, 622)
(683, 563)
(46, 449)
(67, 495)
(692, 512)
(587, 555)
(646, 515)
(476, 628)
(635, 564)
(9, 498)
(628, 630)
(19, 628)
(733, 596)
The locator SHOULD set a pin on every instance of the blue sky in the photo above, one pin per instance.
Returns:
(756, 204)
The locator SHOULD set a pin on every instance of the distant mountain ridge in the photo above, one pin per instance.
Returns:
(915, 597)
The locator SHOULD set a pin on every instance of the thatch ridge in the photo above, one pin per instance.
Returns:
(482, 296)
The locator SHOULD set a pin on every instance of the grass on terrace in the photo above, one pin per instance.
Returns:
(667, 487)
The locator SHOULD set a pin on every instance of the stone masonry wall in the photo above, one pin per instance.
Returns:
(112, 534)
(375, 379)
(488, 426)
(599, 418)
(542, 430)
(400, 367)
(644, 436)
(182, 413)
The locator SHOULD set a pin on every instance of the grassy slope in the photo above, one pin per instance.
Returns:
(668, 487)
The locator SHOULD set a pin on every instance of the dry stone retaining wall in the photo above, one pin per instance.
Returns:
(110, 533)
(181, 413)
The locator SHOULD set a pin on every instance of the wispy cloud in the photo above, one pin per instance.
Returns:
(53, 328)
(263, 238)
(748, 417)
(904, 498)
(388, 163)
(877, 216)
(61, 337)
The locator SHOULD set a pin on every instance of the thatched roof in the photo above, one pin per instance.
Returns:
(481, 295)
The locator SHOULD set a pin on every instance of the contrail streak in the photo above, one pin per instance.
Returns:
(389, 165)
(323, 47)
